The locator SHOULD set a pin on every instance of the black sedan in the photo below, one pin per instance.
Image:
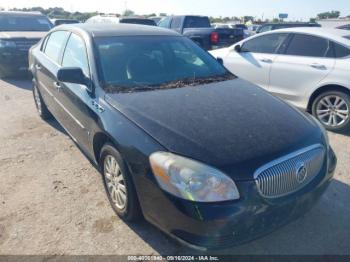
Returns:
(210, 159)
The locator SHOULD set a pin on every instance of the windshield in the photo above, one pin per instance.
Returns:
(24, 23)
(138, 63)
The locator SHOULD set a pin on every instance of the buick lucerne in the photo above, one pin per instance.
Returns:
(208, 158)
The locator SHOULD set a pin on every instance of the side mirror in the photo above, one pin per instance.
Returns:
(72, 75)
(238, 48)
(220, 60)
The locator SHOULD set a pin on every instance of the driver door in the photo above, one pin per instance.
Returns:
(75, 98)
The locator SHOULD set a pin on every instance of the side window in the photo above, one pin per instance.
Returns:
(265, 28)
(55, 44)
(176, 23)
(165, 22)
(267, 44)
(340, 51)
(307, 45)
(75, 54)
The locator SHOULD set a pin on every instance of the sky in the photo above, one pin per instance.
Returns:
(297, 9)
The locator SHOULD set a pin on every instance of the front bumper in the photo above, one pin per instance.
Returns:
(13, 62)
(221, 225)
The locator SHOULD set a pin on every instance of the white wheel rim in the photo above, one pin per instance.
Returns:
(332, 110)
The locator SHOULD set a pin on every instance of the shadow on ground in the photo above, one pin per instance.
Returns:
(22, 82)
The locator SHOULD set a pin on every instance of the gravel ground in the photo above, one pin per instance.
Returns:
(52, 200)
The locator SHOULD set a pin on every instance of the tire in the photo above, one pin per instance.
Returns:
(130, 211)
(332, 109)
(40, 105)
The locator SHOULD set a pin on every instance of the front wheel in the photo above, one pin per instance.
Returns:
(118, 184)
(332, 109)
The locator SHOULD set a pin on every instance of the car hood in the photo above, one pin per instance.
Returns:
(22, 34)
(222, 52)
(233, 125)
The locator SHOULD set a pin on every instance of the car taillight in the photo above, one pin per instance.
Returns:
(214, 37)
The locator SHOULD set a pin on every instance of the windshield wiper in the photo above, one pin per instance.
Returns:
(113, 88)
(197, 81)
(192, 81)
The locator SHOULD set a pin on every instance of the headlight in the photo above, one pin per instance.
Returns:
(7, 44)
(191, 180)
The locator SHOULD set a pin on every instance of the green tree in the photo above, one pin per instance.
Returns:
(128, 12)
(327, 15)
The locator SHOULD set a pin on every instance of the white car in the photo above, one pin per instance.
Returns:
(308, 67)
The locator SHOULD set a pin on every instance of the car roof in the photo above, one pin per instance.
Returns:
(19, 13)
(335, 34)
(104, 30)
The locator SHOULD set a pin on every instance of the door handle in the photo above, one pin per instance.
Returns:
(57, 85)
(266, 60)
(318, 66)
(38, 67)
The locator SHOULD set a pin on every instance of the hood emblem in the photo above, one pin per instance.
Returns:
(301, 172)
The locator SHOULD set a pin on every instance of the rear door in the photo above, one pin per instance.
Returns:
(46, 66)
(254, 62)
(306, 60)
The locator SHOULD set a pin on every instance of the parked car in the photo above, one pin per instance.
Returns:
(274, 26)
(252, 29)
(246, 32)
(105, 19)
(57, 22)
(156, 19)
(308, 67)
(345, 27)
(202, 155)
(18, 32)
(198, 29)
(113, 19)
(138, 20)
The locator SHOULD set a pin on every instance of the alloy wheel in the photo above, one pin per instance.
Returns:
(115, 182)
(332, 110)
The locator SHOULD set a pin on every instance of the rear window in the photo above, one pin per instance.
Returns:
(308, 45)
(138, 21)
(196, 22)
(55, 44)
(24, 23)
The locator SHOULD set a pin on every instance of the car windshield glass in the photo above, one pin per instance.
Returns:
(138, 63)
(24, 23)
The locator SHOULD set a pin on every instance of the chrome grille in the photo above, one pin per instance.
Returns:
(289, 174)
(25, 44)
